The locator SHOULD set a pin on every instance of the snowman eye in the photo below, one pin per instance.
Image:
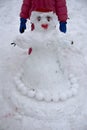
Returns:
(38, 18)
(48, 18)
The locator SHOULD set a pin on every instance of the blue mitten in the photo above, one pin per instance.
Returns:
(22, 25)
(62, 27)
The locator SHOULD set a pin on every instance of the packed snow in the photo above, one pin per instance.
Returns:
(41, 109)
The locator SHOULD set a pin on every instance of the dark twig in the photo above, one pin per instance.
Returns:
(14, 44)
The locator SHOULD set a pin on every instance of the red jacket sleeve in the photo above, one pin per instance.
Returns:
(25, 9)
(61, 10)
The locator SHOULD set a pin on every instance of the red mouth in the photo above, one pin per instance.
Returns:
(45, 26)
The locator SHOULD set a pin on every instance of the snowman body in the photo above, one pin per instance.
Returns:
(43, 76)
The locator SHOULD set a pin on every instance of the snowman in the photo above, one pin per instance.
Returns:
(47, 73)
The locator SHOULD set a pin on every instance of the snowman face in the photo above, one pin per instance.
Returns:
(44, 21)
(44, 25)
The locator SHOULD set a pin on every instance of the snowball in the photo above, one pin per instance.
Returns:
(31, 93)
(76, 85)
(74, 91)
(15, 78)
(73, 80)
(20, 86)
(69, 93)
(19, 75)
(17, 81)
(47, 98)
(63, 96)
(71, 76)
(39, 96)
(55, 98)
(23, 89)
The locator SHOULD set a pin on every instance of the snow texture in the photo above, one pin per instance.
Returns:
(24, 106)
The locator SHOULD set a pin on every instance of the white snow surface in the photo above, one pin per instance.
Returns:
(18, 110)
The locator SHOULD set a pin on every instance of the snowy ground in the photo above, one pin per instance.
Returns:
(12, 58)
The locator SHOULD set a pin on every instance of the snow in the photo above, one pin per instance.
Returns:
(18, 111)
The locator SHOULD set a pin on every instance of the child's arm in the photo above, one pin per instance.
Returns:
(24, 14)
(25, 9)
(61, 10)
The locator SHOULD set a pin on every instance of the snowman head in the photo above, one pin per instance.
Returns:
(44, 21)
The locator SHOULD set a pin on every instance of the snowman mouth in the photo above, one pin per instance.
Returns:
(44, 26)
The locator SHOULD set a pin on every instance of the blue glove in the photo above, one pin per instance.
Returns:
(22, 25)
(62, 27)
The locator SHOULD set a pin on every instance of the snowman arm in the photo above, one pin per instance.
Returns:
(21, 42)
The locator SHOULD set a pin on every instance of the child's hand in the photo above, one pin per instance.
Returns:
(22, 25)
(62, 27)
